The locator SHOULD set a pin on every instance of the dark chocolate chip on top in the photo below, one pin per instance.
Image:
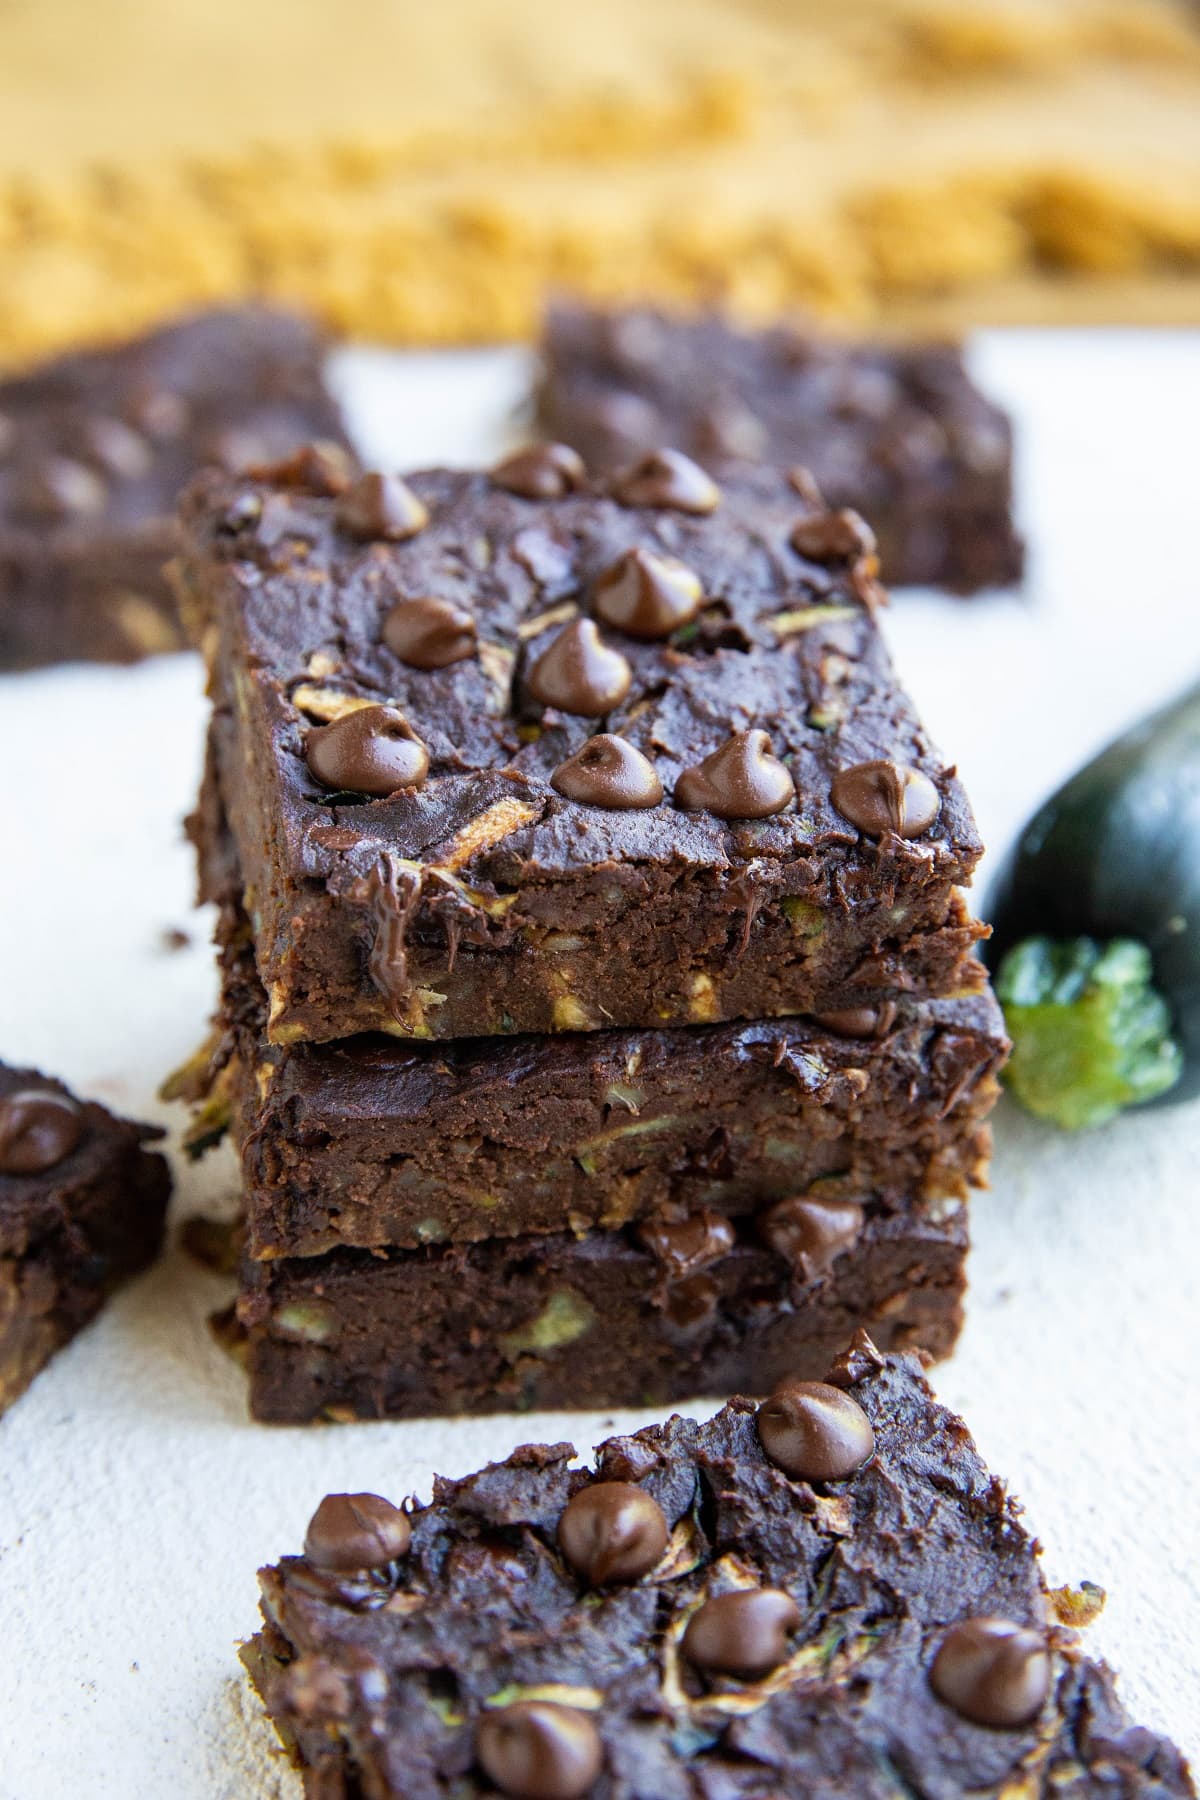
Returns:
(815, 1432)
(647, 595)
(579, 673)
(543, 472)
(992, 1672)
(885, 796)
(539, 1750)
(381, 507)
(612, 1531)
(371, 750)
(350, 1532)
(609, 771)
(667, 478)
(742, 1633)
(38, 1130)
(740, 780)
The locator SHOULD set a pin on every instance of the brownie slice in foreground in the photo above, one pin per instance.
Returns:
(827, 1595)
(372, 1143)
(94, 449)
(901, 433)
(82, 1204)
(515, 753)
(697, 1305)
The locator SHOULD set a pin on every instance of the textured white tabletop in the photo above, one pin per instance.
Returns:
(136, 1498)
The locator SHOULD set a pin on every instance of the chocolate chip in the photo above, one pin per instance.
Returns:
(322, 469)
(372, 750)
(731, 429)
(992, 1672)
(356, 1531)
(667, 478)
(427, 633)
(579, 673)
(37, 1130)
(744, 1633)
(117, 448)
(646, 595)
(612, 1531)
(741, 780)
(158, 412)
(691, 1305)
(858, 1362)
(537, 1750)
(858, 1021)
(886, 796)
(683, 1246)
(63, 489)
(811, 1234)
(543, 472)
(380, 507)
(833, 536)
(815, 1432)
(608, 771)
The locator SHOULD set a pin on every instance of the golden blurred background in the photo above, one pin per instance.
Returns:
(427, 173)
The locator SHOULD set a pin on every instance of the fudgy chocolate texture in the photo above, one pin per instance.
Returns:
(369, 1142)
(82, 1204)
(391, 1680)
(94, 449)
(480, 898)
(902, 434)
(603, 1320)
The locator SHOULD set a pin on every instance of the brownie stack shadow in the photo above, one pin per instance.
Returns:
(600, 1022)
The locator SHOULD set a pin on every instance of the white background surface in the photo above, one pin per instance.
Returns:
(136, 1499)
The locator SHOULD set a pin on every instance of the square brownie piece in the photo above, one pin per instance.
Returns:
(519, 753)
(828, 1596)
(82, 1204)
(900, 432)
(94, 449)
(376, 1144)
(697, 1305)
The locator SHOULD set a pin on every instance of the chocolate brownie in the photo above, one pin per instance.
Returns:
(899, 432)
(373, 1143)
(517, 753)
(94, 449)
(701, 1305)
(826, 1596)
(81, 1208)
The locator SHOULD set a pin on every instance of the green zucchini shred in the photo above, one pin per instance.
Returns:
(1091, 1034)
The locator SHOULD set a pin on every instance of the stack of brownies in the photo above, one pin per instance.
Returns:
(600, 1019)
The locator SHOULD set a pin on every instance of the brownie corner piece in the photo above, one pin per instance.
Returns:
(827, 1593)
(82, 1207)
(94, 449)
(900, 432)
(514, 752)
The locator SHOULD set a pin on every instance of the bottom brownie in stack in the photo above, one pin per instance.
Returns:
(599, 1218)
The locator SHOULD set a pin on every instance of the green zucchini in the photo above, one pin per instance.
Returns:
(1096, 930)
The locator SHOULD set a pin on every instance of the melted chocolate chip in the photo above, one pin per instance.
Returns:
(356, 1531)
(833, 536)
(543, 472)
(612, 1531)
(859, 1021)
(684, 1246)
(372, 750)
(886, 796)
(810, 1233)
(427, 633)
(667, 478)
(579, 673)
(63, 489)
(744, 1633)
(610, 772)
(117, 448)
(536, 1750)
(380, 507)
(646, 595)
(321, 469)
(815, 1432)
(857, 1363)
(741, 780)
(37, 1130)
(992, 1672)
(691, 1305)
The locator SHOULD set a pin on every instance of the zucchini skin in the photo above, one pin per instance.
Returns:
(1116, 853)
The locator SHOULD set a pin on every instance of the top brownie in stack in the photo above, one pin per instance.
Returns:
(94, 449)
(899, 431)
(521, 752)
